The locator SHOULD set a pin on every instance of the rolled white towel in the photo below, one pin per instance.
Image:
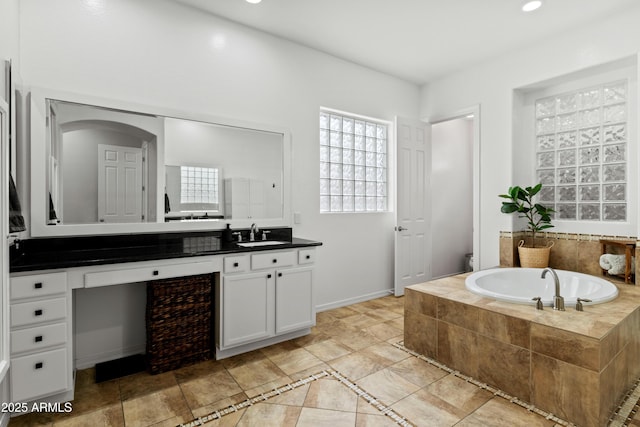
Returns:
(615, 264)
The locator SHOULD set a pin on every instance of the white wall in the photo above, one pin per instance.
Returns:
(491, 85)
(451, 210)
(163, 54)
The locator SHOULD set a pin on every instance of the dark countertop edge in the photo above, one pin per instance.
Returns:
(62, 264)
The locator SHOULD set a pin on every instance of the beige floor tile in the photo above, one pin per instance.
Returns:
(356, 365)
(423, 410)
(387, 386)
(359, 321)
(364, 407)
(374, 420)
(459, 393)
(328, 350)
(142, 383)
(383, 315)
(384, 331)
(354, 339)
(295, 360)
(212, 388)
(385, 353)
(230, 420)
(268, 415)
(418, 371)
(154, 408)
(498, 412)
(397, 323)
(331, 394)
(251, 375)
(294, 397)
(111, 415)
(342, 312)
(310, 371)
(219, 405)
(198, 370)
(90, 397)
(312, 417)
(269, 386)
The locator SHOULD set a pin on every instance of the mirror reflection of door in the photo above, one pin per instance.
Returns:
(119, 184)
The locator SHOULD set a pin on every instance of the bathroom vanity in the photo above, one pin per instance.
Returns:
(261, 294)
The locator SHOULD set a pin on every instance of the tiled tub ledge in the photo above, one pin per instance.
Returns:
(576, 365)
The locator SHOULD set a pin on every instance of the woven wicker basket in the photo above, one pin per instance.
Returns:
(534, 257)
(179, 322)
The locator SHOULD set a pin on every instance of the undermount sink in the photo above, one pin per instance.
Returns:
(261, 243)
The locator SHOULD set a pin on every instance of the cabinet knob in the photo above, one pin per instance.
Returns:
(268, 276)
(279, 274)
(38, 312)
(37, 285)
(235, 264)
(274, 261)
(38, 338)
(155, 272)
(39, 365)
(308, 257)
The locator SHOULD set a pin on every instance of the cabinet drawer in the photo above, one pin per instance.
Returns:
(143, 274)
(236, 264)
(39, 375)
(272, 259)
(38, 337)
(306, 256)
(28, 313)
(38, 285)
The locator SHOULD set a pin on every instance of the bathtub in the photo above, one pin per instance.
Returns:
(520, 285)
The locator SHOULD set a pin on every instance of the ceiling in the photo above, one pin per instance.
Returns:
(415, 40)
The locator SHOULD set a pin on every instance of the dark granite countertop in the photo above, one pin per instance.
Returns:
(53, 253)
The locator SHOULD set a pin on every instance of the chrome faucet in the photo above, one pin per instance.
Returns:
(558, 301)
(253, 231)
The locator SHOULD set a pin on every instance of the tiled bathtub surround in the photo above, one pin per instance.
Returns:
(576, 365)
(572, 252)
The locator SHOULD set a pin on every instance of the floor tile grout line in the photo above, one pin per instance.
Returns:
(371, 400)
(496, 392)
(385, 410)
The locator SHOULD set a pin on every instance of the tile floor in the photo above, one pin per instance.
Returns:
(355, 341)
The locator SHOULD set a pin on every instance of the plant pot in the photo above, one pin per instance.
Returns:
(534, 257)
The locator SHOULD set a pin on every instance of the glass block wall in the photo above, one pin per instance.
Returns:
(353, 164)
(581, 153)
(198, 185)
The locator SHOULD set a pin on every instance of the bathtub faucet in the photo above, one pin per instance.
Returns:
(558, 301)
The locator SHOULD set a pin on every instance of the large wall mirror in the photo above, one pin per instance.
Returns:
(102, 167)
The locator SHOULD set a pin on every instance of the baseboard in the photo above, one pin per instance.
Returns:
(355, 300)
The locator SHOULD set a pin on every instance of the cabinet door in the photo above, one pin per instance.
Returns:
(295, 308)
(247, 308)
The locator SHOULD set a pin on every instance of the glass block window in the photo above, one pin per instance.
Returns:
(198, 185)
(581, 153)
(353, 164)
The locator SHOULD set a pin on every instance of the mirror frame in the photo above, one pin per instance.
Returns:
(38, 169)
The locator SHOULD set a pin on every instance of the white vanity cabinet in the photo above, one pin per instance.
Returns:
(264, 298)
(41, 337)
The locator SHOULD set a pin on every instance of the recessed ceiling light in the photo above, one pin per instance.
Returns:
(254, 1)
(530, 6)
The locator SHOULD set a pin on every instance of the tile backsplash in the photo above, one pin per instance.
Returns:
(573, 252)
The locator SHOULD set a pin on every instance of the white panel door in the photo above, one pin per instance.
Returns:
(119, 183)
(412, 248)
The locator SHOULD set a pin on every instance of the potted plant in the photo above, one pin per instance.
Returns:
(538, 217)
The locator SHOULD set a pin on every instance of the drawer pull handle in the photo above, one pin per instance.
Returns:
(279, 274)
(37, 285)
(39, 365)
(235, 264)
(268, 276)
(38, 338)
(155, 272)
(274, 260)
(308, 257)
(38, 312)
